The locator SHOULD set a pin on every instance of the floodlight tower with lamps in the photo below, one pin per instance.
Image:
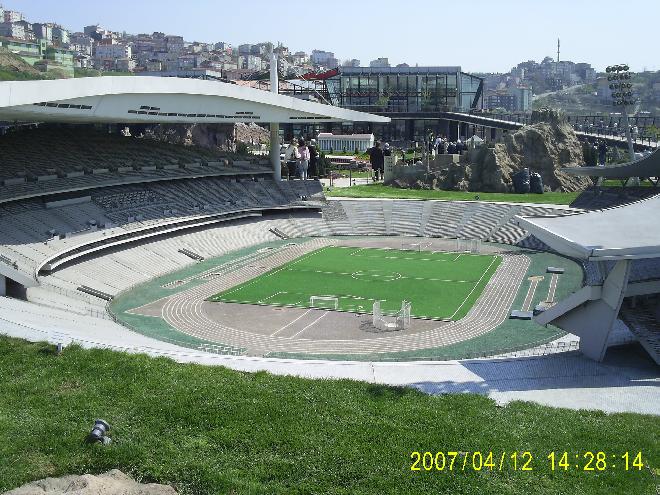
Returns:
(619, 78)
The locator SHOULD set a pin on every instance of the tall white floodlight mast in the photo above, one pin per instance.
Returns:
(275, 127)
(622, 95)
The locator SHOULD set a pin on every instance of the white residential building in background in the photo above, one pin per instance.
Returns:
(12, 16)
(12, 30)
(380, 62)
(251, 62)
(113, 51)
(61, 35)
(43, 31)
(327, 59)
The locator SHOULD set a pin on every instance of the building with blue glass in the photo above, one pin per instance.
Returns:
(417, 99)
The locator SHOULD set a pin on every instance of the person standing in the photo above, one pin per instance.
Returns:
(377, 160)
(303, 161)
(313, 158)
(602, 153)
(442, 146)
(291, 155)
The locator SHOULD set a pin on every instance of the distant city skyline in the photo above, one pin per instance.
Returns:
(483, 37)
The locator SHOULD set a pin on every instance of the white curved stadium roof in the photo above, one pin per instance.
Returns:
(159, 99)
(625, 232)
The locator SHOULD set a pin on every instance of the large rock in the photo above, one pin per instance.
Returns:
(543, 147)
(217, 137)
(111, 483)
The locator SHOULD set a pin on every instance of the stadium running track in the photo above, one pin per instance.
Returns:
(184, 311)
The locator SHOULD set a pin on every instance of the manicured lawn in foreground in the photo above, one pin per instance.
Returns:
(381, 191)
(209, 430)
(438, 284)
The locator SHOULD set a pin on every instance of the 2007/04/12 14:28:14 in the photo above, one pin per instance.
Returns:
(523, 461)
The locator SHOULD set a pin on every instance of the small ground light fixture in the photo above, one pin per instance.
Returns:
(99, 431)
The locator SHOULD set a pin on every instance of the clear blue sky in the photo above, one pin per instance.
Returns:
(480, 35)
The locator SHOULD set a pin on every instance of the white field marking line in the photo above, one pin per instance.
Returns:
(290, 323)
(530, 292)
(318, 271)
(456, 259)
(401, 258)
(392, 274)
(273, 272)
(261, 301)
(311, 324)
(473, 288)
(553, 287)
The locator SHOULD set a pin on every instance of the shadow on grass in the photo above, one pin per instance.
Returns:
(386, 391)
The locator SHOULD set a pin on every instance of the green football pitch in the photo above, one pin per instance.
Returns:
(439, 285)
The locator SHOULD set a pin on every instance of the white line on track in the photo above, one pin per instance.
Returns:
(552, 288)
(310, 325)
(530, 292)
(291, 323)
(473, 288)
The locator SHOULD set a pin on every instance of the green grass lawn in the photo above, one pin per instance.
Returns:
(209, 430)
(439, 285)
(381, 191)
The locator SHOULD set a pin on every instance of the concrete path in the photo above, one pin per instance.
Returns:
(626, 382)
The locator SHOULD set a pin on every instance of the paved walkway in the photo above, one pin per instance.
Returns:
(346, 182)
(626, 382)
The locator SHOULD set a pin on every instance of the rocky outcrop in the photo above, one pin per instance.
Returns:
(111, 483)
(251, 133)
(543, 147)
(216, 137)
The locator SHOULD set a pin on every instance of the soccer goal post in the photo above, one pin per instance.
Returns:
(399, 321)
(327, 301)
(411, 246)
(468, 245)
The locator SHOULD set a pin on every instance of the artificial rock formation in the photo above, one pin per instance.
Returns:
(111, 483)
(217, 137)
(544, 147)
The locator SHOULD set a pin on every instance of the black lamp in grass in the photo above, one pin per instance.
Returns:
(99, 431)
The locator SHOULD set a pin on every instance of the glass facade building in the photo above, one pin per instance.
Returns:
(415, 98)
(395, 90)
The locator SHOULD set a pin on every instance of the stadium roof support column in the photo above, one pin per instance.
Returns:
(593, 321)
(274, 127)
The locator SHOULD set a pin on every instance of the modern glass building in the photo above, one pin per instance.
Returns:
(417, 99)
(396, 90)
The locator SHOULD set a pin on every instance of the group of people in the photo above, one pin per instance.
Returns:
(377, 158)
(301, 159)
(442, 146)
